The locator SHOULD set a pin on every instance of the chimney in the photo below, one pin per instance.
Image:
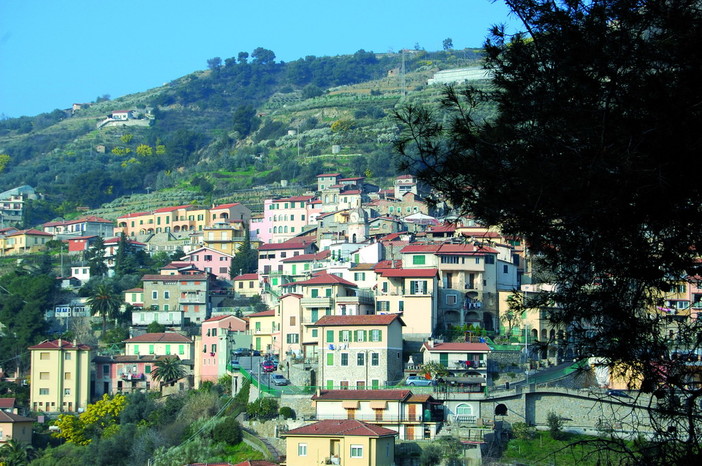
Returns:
(59, 342)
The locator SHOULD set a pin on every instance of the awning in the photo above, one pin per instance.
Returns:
(349, 404)
(378, 404)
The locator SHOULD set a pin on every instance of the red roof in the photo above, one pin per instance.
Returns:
(358, 320)
(159, 338)
(362, 395)
(269, 312)
(134, 290)
(175, 278)
(328, 174)
(6, 403)
(247, 276)
(323, 278)
(388, 265)
(350, 427)
(30, 231)
(225, 206)
(458, 347)
(171, 209)
(408, 273)
(217, 318)
(423, 248)
(294, 199)
(91, 218)
(60, 344)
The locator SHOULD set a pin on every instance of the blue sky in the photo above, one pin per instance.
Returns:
(57, 52)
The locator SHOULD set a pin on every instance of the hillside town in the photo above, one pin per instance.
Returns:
(377, 315)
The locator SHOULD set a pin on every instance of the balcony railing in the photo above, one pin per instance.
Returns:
(373, 418)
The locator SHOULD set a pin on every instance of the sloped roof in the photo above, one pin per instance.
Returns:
(60, 344)
(309, 257)
(344, 427)
(362, 395)
(359, 320)
(11, 417)
(328, 174)
(268, 313)
(323, 278)
(159, 338)
(178, 277)
(7, 403)
(225, 206)
(294, 243)
(247, 276)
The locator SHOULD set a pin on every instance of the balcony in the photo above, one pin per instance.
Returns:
(132, 376)
(325, 302)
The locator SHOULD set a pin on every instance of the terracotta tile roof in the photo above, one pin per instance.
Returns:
(468, 249)
(408, 273)
(344, 427)
(129, 358)
(11, 417)
(323, 278)
(423, 248)
(268, 313)
(159, 338)
(225, 206)
(458, 347)
(91, 218)
(30, 231)
(359, 320)
(328, 174)
(442, 228)
(64, 344)
(420, 398)
(134, 290)
(295, 199)
(175, 278)
(247, 276)
(362, 395)
(218, 318)
(388, 265)
(6, 403)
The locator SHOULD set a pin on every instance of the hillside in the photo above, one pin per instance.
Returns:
(230, 132)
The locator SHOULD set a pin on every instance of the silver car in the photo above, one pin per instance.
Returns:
(418, 381)
(278, 379)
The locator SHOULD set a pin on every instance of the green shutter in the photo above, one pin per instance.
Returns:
(151, 349)
(181, 349)
(330, 336)
(330, 384)
(168, 349)
(330, 359)
(147, 369)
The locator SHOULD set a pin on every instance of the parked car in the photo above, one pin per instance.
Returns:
(418, 381)
(618, 393)
(278, 379)
(235, 364)
(255, 353)
(267, 366)
(241, 352)
(274, 362)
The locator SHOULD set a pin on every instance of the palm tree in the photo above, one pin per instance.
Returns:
(104, 302)
(168, 370)
(15, 453)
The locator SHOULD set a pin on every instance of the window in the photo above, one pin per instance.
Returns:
(166, 295)
(418, 287)
(330, 359)
(375, 359)
(292, 321)
(301, 449)
(293, 338)
(147, 368)
(359, 276)
(328, 292)
(451, 299)
(314, 333)
(43, 391)
(376, 335)
(356, 451)
(151, 349)
(383, 306)
(105, 369)
(419, 260)
(67, 356)
(66, 376)
(345, 335)
(67, 392)
(505, 269)
(168, 349)
(360, 335)
(330, 336)
(154, 295)
(344, 359)
(315, 293)
(181, 349)
(361, 359)
(449, 259)
(488, 259)
(43, 376)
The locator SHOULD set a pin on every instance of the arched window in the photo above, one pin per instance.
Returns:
(464, 410)
(285, 229)
(275, 230)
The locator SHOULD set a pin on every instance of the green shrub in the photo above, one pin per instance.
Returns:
(287, 412)
(522, 431)
(228, 431)
(555, 425)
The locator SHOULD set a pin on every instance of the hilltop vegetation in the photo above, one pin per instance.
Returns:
(242, 123)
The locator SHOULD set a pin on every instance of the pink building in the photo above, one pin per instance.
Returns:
(210, 260)
(216, 339)
(125, 373)
(288, 217)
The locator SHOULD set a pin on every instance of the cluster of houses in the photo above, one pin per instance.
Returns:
(360, 286)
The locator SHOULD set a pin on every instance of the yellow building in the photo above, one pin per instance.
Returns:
(14, 426)
(264, 329)
(23, 242)
(347, 442)
(60, 375)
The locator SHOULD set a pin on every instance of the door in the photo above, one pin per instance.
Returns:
(409, 432)
(412, 412)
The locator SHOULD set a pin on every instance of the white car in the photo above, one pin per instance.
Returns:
(278, 379)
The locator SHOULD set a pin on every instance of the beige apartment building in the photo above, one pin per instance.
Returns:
(60, 376)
